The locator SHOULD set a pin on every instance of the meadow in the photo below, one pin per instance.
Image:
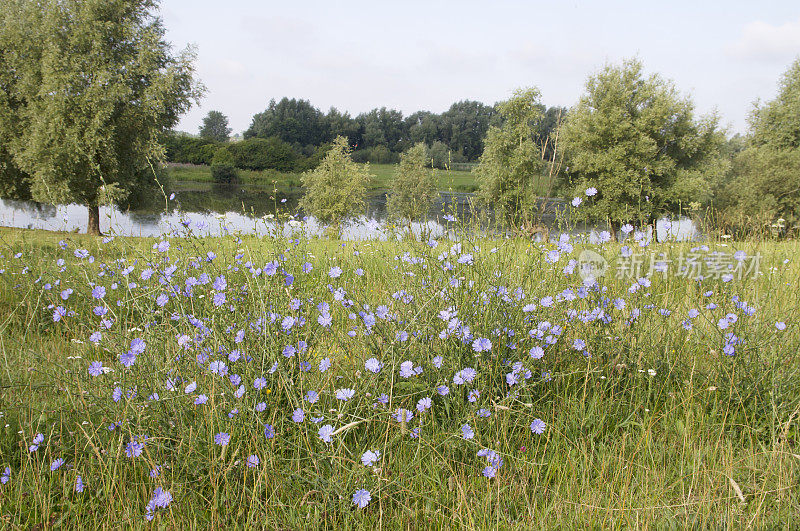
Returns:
(478, 382)
(384, 174)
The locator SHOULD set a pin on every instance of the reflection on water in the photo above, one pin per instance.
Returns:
(210, 210)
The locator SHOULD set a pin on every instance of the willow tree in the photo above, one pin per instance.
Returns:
(337, 188)
(87, 87)
(414, 185)
(510, 169)
(636, 141)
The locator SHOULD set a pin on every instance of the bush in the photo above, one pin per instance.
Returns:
(185, 149)
(442, 156)
(264, 153)
(223, 170)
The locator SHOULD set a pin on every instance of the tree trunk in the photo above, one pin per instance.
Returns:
(614, 227)
(94, 221)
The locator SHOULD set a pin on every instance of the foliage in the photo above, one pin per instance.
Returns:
(766, 183)
(442, 156)
(464, 125)
(264, 153)
(223, 167)
(186, 149)
(336, 189)
(87, 88)
(215, 127)
(635, 140)
(510, 168)
(291, 120)
(414, 187)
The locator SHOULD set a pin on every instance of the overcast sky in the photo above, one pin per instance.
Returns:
(424, 55)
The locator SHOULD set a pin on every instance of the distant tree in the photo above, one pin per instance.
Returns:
(766, 186)
(510, 169)
(341, 124)
(414, 186)
(87, 89)
(215, 127)
(337, 188)
(423, 126)
(293, 121)
(636, 141)
(464, 125)
(382, 127)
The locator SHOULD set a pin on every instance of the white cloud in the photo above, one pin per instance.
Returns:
(761, 41)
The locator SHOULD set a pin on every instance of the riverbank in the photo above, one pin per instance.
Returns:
(383, 176)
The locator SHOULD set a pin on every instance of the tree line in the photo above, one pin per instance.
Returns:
(379, 136)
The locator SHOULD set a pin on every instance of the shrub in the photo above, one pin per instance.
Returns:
(223, 169)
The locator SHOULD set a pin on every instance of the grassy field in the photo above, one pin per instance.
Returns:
(460, 181)
(295, 383)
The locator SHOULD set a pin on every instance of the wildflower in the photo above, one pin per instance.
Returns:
(335, 272)
(466, 431)
(298, 415)
(423, 404)
(134, 448)
(591, 191)
(537, 352)
(576, 202)
(260, 383)
(56, 464)
(222, 439)
(79, 486)
(474, 395)
(373, 365)
(161, 499)
(437, 362)
(369, 457)
(345, 394)
(361, 498)
(538, 426)
(324, 365)
(253, 461)
(96, 368)
(464, 376)
(403, 415)
(200, 400)
(95, 337)
(780, 325)
(481, 345)
(442, 390)
(406, 369)
(325, 433)
(98, 292)
(37, 440)
(269, 431)
(190, 388)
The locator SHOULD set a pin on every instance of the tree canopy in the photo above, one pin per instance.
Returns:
(87, 87)
(766, 185)
(215, 127)
(510, 169)
(414, 186)
(635, 140)
(337, 188)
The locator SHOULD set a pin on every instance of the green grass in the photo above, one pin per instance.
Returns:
(460, 181)
(623, 447)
